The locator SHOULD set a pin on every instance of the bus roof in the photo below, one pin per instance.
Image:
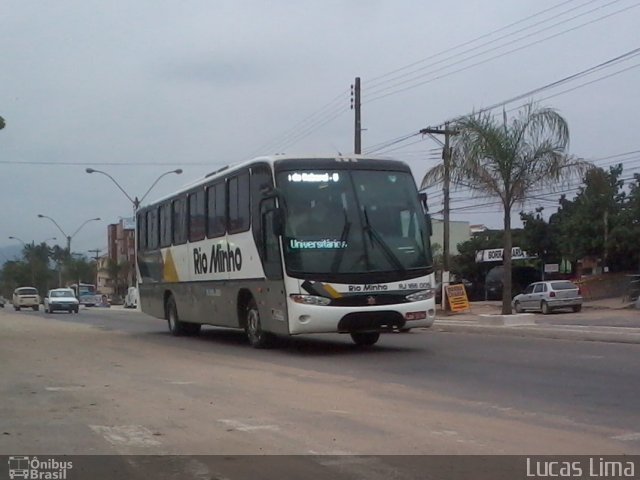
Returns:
(271, 160)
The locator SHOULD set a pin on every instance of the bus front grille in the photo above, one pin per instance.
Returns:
(367, 321)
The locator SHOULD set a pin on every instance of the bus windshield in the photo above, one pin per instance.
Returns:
(352, 221)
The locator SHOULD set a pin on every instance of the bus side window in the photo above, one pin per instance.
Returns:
(152, 228)
(239, 198)
(142, 232)
(165, 225)
(197, 219)
(216, 210)
(179, 221)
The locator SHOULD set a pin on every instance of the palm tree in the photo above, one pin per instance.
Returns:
(509, 160)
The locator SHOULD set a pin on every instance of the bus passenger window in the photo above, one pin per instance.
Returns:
(216, 208)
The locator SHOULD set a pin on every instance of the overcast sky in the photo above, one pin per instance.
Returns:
(139, 88)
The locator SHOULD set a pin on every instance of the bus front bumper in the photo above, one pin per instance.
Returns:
(380, 318)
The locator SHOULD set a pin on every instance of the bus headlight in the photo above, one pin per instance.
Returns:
(311, 299)
(421, 295)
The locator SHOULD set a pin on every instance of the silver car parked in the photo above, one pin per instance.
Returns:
(548, 296)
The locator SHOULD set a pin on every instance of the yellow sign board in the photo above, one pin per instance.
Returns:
(457, 298)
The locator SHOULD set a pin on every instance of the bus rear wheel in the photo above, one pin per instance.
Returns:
(365, 339)
(258, 338)
(176, 327)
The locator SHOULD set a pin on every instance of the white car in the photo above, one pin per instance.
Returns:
(131, 300)
(61, 299)
(548, 296)
(26, 297)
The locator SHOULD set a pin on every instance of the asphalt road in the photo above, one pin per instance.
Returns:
(587, 382)
(114, 381)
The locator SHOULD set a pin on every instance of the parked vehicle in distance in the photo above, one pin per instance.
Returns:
(548, 296)
(131, 300)
(61, 299)
(2, 301)
(521, 276)
(86, 294)
(26, 297)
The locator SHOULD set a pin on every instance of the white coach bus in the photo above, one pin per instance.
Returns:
(290, 245)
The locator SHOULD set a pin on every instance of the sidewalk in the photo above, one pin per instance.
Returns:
(606, 320)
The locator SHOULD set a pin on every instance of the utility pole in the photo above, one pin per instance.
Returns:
(446, 158)
(605, 220)
(355, 105)
(96, 252)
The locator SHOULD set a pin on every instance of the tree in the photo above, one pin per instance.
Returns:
(79, 270)
(585, 224)
(539, 238)
(509, 160)
(60, 256)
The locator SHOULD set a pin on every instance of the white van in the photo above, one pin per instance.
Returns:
(131, 300)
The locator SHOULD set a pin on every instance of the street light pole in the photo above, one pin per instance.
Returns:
(68, 237)
(135, 202)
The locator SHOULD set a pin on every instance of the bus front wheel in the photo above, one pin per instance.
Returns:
(365, 339)
(258, 338)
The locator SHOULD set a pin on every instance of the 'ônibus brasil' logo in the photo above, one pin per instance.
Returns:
(218, 260)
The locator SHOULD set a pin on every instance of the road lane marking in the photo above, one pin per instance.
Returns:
(628, 437)
(71, 388)
(245, 427)
(129, 435)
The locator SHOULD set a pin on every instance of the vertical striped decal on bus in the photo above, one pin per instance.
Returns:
(169, 272)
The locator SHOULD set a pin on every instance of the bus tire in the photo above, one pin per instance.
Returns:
(257, 337)
(176, 327)
(365, 339)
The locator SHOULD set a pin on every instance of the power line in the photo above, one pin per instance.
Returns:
(606, 64)
(513, 50)
(315, 119)
(464, 44)
(374, 85)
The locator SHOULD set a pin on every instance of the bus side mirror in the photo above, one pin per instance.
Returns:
(427, 219)
(422, 196)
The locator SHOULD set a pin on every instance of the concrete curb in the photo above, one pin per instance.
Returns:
(574, 333)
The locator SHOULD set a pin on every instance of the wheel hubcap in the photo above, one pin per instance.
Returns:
(253, 324)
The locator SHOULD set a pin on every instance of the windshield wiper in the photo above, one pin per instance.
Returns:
(335, 265)
(373, 234)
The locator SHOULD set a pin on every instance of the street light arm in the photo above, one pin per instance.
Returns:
(177, 172)
(55, 223)
(91, 170)
(80, 227)
(18, 239)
